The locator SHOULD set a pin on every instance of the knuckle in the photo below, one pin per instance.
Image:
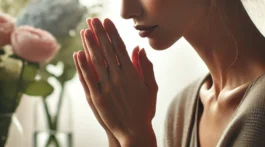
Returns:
(105, 47)
(151, 64)
(116, 80)
(99, 101)
(156, 88)
(85, 75)
(106, 88)
(95, 60)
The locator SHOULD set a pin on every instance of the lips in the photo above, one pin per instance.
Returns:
(145, 31)
(144, 28)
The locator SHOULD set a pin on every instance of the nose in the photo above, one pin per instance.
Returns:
(130, 9)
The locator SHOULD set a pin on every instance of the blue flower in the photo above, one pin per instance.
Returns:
(55, 16)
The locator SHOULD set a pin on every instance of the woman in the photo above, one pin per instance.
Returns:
(223, 108)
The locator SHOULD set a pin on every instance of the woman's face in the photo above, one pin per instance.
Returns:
(172, 17)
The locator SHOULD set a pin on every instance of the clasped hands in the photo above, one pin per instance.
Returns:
(121, 93)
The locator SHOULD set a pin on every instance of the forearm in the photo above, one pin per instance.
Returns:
(113, 142)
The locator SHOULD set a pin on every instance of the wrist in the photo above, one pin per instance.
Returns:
(143, 139)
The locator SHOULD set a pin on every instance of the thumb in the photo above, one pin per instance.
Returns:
(149, 80)
(148, 72)
(135, 61)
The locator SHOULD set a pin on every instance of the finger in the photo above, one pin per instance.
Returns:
(82, 34)
(147, 70)
(105, 44)
(83, 42)
(87, 73)
(102, 103)
(119, 46)
(149, 79)
(88, 96)
(90, 26)
(80, 75)
(96, 57)
(135, 60)
(119, 104)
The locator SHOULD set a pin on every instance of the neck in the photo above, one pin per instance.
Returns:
(230, 45)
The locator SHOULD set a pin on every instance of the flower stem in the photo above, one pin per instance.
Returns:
(52, 130)
(49, 120)
(51, 139)
(56, 118)
(59, 106)
(16, 101)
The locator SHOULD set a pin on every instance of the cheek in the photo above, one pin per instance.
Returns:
(150, 4)
(172, 15)
(155, 8)
(173, 18)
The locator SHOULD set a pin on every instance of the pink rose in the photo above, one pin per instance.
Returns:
(34, 44)
(7, 25)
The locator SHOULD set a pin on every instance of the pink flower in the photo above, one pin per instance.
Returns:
(7, 25)
(34, 44)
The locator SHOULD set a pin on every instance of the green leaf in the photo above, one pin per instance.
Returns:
(9, 75)
(30, 72)
(39, 88)
(28, 76)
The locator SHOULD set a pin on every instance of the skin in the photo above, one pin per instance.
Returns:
(114, 102)
(222, 34)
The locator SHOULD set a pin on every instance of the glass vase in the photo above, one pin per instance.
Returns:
(11, 132)
(53, 122)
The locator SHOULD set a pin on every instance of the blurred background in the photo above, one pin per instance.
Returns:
(174, 68)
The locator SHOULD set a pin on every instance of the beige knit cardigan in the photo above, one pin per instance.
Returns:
(245, 129)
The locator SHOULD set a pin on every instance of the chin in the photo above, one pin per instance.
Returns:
(162, 44)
